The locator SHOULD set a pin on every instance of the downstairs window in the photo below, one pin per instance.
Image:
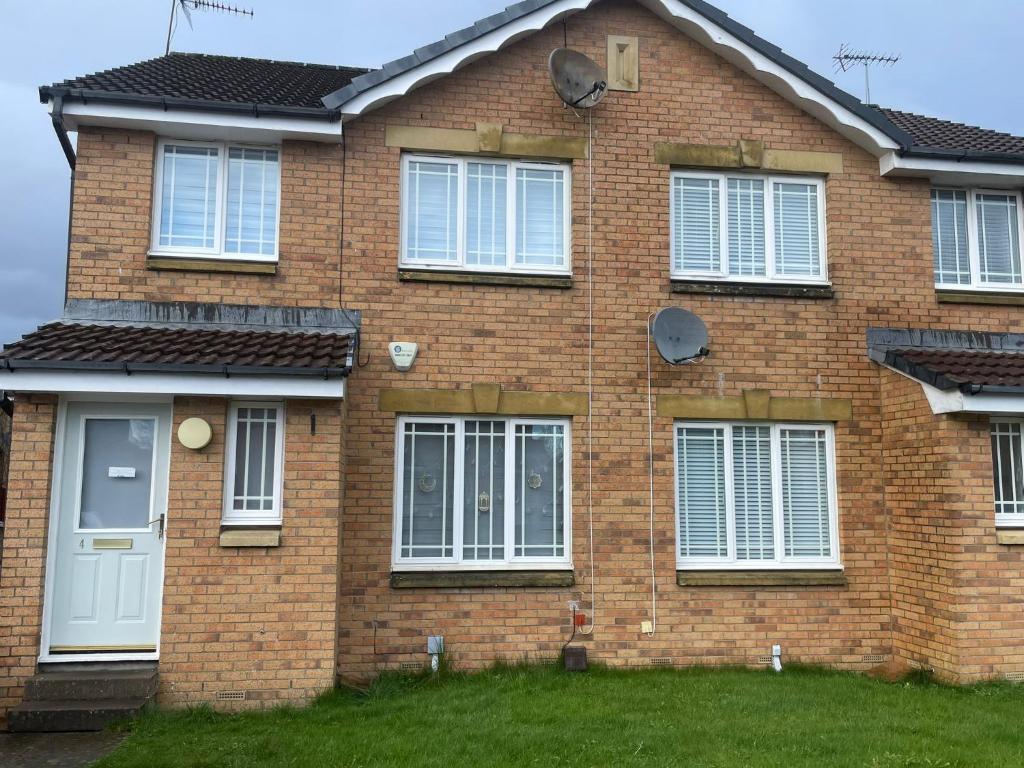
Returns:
(482, 493)
(755, 496)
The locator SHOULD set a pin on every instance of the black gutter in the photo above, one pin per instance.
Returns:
(129, 368)
(994, 389)
(959, 155)
(47, 92)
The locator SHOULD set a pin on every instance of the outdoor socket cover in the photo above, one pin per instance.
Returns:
(435, 644)
(647, 627)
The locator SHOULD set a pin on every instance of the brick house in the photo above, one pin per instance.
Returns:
(219, 475)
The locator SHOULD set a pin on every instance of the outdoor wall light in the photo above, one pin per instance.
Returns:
(195, 433)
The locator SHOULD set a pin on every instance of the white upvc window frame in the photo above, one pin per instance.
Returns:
(1005, 520)
(456, 562)
(229, 515)
(771, 275)
(459, 264)
(781, 562)
(973, 246)
(217, 252)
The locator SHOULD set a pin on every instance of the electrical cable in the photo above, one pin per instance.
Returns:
(650, 474)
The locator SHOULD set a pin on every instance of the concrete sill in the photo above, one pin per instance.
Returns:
(484, 278)
(729, 288)
(1010, 536)
(250, 537)
(189, 264)
(445, 579)
(830, 578)
(945, 296)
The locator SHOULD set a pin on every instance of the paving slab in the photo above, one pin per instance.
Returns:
(67, 750)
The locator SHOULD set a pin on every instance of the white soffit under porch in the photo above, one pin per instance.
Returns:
(688, 21)
(952, 172)
(106, 382)
(955, 401)
(199, 124)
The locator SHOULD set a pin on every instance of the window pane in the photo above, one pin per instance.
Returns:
(702, 501)
(483, 525)
(117, 473)
(188, 197)
(752, 489)
(746, 227)
(540, 217)
(998, 245)
(696, 221)
(251, 224)
(805, 515)
(797, 250)
(432, 195)
(539, 490)
(255, 480)
(486, 213)
(949, 237)
(1007, 469)
(428, 490)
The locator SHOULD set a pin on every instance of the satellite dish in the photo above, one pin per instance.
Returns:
(679, 335)
(579, 81)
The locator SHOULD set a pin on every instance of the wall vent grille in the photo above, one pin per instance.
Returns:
(764, 659)
(410, 666)
(230, 695)
(661, 661)
(1015, 677)
(874, 658)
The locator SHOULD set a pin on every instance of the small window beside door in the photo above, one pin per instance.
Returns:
(747, 228)
(253, 465)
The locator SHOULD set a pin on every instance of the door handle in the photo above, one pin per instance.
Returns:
(160, 532)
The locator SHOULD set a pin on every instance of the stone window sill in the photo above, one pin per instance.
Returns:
(731, 288)
(1010, 536)
(484, 278)
(484, 579)
(957, 296)
(192, 264)
(767, 578)
(266, 536)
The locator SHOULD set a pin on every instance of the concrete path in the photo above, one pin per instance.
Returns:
(67, 750)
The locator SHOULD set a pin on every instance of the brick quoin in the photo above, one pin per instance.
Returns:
(927, 583)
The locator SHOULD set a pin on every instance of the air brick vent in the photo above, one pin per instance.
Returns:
(230, 695)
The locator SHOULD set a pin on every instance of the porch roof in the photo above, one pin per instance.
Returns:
(124, 348)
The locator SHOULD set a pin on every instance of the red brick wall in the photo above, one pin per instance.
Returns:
(259, 620)
(21, 571)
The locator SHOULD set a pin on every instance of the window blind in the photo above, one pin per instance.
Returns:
(697, 215)
(746, 227)
(486, 213)
(805, 510)
(949, 237)
(998, 246)
(702, 513)
(797, 250)
(251, 221)
(752, 483)
(432, 198)
(188, 197)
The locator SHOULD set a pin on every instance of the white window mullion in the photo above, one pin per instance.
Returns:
(770, 243)
(778, 515)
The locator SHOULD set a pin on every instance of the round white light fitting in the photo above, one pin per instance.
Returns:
(195, 433)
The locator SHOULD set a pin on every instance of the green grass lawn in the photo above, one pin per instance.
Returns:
(542, 716)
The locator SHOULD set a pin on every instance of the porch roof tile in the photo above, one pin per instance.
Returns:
(138, 348)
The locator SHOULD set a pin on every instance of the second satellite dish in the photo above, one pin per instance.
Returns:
(578, 80)
(679, 335)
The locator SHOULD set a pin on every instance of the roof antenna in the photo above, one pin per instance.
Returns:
(846, 59)
(197, 5)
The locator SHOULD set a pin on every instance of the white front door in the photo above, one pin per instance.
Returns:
(109, 548)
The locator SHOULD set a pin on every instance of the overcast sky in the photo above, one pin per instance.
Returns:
(959, 61)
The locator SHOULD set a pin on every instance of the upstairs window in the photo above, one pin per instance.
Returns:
(747, 228)
(755, 496)
(485, 214)
(479, 493)
(976, 237)
(216, 201)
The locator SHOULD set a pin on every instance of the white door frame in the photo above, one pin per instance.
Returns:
(56, 476)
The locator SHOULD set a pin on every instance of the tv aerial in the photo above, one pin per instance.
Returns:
(846, 59)
(187, 6)
(579, 81)
(680, 336)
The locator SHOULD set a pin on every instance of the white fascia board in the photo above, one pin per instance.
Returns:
(95, 382)
(682, 17)
(953, 172)
(200, 125)
(459, 57)
(955, 401)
